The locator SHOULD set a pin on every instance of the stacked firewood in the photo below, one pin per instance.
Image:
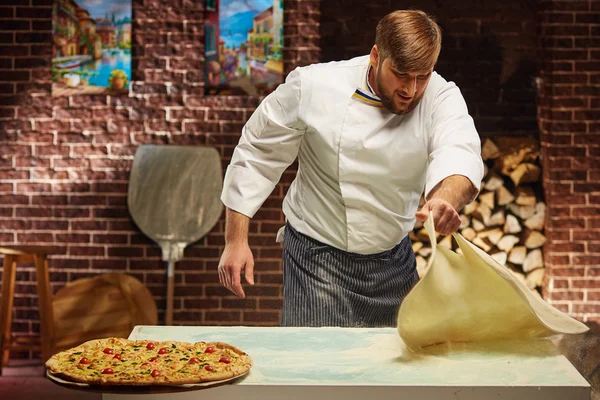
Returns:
(506, 219)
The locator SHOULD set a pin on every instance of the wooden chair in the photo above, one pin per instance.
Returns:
(37, 255)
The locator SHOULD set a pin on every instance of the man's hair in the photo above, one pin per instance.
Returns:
(411, 39)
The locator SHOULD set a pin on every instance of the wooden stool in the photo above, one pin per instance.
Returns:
(37, 256)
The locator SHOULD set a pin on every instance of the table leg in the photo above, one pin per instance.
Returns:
(6, 305)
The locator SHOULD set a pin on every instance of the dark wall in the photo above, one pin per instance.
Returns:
(488, 49)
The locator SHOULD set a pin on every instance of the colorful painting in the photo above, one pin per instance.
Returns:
(244, 40)
(91, 49)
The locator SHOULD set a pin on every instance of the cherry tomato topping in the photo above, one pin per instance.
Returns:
(155, 373)
(108, 371)
(153, 359)
(209, 368)
(193, 360)
(150, 346)
(145, 364)
(225, 360)
(210, 350)
(163, 351)
(108, 351)
(118, 357)
(84, 361)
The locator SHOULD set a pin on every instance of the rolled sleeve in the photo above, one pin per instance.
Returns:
(269, 144)
(455, 146)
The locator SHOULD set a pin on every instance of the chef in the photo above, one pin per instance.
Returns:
(371, 134)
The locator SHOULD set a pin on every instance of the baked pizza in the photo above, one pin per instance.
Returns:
(115, 361)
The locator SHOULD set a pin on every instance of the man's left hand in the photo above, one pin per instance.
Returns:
(445, 218)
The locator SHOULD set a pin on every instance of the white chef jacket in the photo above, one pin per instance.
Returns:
(361, 169)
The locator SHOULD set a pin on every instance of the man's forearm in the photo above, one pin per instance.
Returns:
(456, 190)
(236, 227)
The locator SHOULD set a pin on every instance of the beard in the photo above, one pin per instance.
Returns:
(387, 100)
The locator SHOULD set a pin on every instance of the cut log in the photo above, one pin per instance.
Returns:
(535, 278)
(493, 235)
(465, 221)
(533, 260)
(517, 255)
(540, 208)
(413, 236)
(477, 225)
(469, 234)
(489, 150)
(514, 151)
(425, 252)
(470, 208)
(525, 196)
(504, 196)
(487, 199)
(446, 242)
(497, 219)
(512, 225)
(483, 212)
(507, 243)
(533, 239)
(536, 222)
(423, 236)
(416, 246)
(496, 236)
(522, 212)
(500, 257)
(525, 173)
(493, 183)
(482, 243)
(421, 266)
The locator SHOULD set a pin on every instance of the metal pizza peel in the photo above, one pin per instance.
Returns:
(174, 198)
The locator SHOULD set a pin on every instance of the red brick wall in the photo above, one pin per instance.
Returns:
(569, 110)
(64, 162)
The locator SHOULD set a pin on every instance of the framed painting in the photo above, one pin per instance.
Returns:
(243, 45)
(91, 48)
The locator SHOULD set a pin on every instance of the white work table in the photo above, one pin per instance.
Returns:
(366, 363)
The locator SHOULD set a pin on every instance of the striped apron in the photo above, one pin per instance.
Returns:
(325, 286)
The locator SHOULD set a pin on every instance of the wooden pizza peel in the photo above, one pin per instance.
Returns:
(174, 198)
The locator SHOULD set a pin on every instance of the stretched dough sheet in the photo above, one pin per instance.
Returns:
(470, 297)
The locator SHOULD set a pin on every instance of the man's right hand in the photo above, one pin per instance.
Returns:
(236, 257)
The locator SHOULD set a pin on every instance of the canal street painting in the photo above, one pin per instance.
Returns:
(91, 52)
(243, 44)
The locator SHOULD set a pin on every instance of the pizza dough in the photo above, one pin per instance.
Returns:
(470, 297)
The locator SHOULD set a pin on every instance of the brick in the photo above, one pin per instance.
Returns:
(200, 303)
(15, 24)
(586, 260)
(224, 316)
(14, 76)
(34, 37)
(586, 308)
(272, 317)
(86, 251)
(110, 238)
(593, 296)
(585, 18)
(35, 238)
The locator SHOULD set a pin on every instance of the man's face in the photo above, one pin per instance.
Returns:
(400, 91)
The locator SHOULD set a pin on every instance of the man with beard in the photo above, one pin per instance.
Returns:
(372, 134)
